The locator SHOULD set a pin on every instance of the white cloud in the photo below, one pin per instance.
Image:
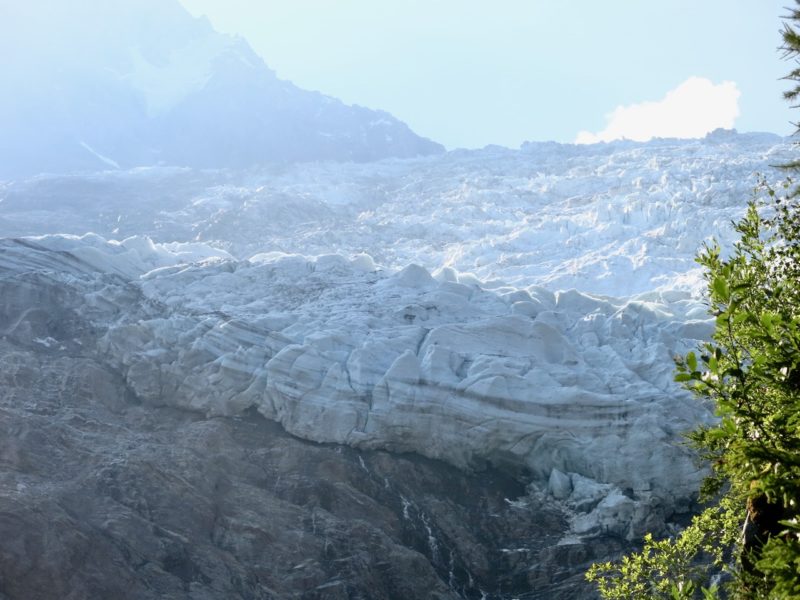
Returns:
(691, 110)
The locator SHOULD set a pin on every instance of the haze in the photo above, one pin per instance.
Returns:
(469, 73)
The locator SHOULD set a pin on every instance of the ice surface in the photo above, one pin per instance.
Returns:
(519, 308)
(615, 219)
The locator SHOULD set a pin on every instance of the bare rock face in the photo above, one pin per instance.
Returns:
(101, 497)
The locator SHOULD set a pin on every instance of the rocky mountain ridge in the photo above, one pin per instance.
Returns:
(110, 85)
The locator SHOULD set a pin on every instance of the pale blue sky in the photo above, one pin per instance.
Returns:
(472, 72)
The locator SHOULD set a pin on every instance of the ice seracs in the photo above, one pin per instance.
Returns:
(614, 219)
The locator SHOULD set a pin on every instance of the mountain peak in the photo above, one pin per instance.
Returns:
(142, 83)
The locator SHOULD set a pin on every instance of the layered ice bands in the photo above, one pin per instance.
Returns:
(337, 350)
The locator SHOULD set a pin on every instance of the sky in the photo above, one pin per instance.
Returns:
(468, 73)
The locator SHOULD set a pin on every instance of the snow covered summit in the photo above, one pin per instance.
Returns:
(100, 85)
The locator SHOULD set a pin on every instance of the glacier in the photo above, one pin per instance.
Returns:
(508, 308)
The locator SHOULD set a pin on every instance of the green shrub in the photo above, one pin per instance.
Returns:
(750, 373)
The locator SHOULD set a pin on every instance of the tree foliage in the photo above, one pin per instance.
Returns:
(674, 568)
(749, 537)
(750, 372)
(791, 50)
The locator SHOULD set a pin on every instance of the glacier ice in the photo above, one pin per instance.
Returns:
(514, 308)
(401, 361)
